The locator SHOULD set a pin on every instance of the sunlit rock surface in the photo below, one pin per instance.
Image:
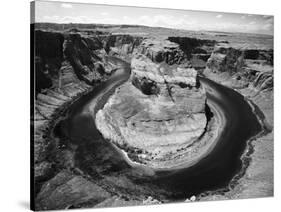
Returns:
(161, 109)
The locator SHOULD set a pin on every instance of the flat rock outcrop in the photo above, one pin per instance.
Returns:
(160, 110)
(162, 51)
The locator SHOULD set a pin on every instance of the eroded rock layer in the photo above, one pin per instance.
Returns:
(67, 65)
(161, 109)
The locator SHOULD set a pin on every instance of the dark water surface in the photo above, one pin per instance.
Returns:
(101, 160)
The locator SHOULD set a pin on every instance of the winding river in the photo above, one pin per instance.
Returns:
(105, 164)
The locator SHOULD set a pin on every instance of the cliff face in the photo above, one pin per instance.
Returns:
(85, 51)
(225, 59)
(241, 68)
(196, 50)
(124, 44)
(80, 53)
(47, 60)
(67, 65)
(160, 109)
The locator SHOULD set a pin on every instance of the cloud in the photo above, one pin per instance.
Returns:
(159, 21)
(54, 18)
(269, 22)
(169, 21)
(219, 16)
(67, 19)
(67, 6)
(104, 13)
(243, 16)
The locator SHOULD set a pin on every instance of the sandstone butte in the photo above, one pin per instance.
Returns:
(160, 111)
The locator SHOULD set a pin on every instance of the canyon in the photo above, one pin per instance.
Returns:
(156, 111)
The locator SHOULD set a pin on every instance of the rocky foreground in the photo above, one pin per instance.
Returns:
(163, 101)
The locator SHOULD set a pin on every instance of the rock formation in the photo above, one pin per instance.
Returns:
(122, 45)
(67, 65)
(225, 59)
(196, 50)
(240, 68)
(161, 109)
(250, 72)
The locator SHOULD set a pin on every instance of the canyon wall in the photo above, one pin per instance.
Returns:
(241, 68)
(67, 65)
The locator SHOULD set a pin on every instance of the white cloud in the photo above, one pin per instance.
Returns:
(66, 5)
(268, 27)
(68, 19)
(219, 16)
(54, 18)
(169, 21)
(104, 13)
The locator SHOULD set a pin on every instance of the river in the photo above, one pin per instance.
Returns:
(104, 162)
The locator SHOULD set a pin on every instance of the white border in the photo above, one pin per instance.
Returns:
(14, 178)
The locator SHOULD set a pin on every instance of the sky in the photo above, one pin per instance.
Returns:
(61, 12)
